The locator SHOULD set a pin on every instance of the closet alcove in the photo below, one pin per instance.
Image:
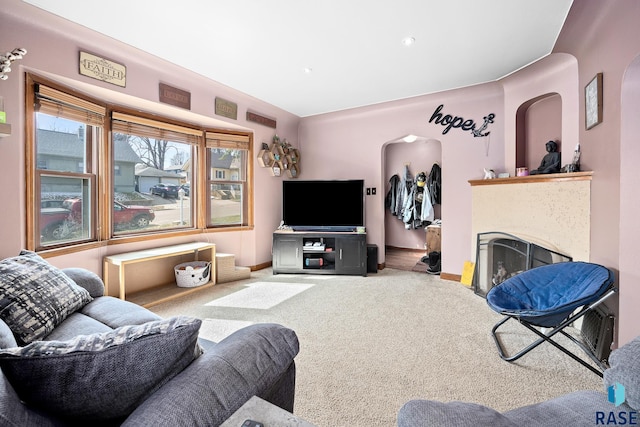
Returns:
(418, 156)
(537, 121)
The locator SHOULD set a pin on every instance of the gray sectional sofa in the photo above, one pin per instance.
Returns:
(72, 356)
(618, 404)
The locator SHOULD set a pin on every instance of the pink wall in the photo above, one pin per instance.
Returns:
(605, 37)
(556, 73)
(629, 274)
(352, 143)
(543, 122)
(53, 45)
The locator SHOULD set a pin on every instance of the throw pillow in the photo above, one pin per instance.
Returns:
(102, 376)
(35, 296)
(625, 370)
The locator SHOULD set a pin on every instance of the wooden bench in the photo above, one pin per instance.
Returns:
(165, 292)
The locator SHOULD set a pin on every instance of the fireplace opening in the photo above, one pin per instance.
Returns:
(500, 256)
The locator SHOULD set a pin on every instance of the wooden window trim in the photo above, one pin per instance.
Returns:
(44, 94)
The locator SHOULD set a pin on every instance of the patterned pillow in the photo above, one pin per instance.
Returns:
(35, 296)
(103, 376)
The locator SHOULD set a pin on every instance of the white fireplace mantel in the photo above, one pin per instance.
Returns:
(551, 210)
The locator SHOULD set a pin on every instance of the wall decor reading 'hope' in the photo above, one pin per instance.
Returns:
(459, 122)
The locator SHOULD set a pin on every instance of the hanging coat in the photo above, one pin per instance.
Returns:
(427, 214)
(392, 195)
(421, 209)
(405, 193)
(434, 184)
(409, 208)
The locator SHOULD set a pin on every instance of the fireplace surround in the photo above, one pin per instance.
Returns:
(500, 256)
(551, 210)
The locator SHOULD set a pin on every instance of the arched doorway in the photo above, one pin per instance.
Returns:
(417, 156)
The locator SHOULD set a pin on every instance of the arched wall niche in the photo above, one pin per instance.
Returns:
(538, 120)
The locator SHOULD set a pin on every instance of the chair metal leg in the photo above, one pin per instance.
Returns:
(501, 349)
(547, 337)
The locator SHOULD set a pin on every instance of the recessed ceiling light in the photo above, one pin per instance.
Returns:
(408, 41)
(308, 70)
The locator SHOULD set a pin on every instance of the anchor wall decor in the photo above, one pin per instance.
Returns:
(459, 122)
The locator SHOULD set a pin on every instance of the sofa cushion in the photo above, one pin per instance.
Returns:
(35, 296)
(102, 376)
(86, 279)
(624, 369)
(250, 361)
(78, 324)
(459, 414)
(579, 408)
(115, 312)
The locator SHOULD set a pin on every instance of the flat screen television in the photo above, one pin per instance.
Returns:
(329, 205)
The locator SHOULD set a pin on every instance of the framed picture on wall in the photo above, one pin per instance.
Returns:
(593, 102)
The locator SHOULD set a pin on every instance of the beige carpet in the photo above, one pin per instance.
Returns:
(369, 344)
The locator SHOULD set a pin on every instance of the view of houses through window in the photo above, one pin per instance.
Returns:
(152, 167)
(227, 164)
(227, 185)
(154, 181)
(65, 177)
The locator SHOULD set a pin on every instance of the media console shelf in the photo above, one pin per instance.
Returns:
(162, 293)
(319, 253)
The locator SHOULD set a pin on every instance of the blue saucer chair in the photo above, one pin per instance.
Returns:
(552, 296)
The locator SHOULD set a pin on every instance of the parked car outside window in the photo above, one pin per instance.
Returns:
(63, 222)
(165, 190)
(132, 216)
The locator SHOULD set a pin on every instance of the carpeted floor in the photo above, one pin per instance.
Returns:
(370, 344)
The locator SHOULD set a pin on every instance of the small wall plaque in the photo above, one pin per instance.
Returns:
(226, 108)
(103, 69)
(174, 96)
(257, 118)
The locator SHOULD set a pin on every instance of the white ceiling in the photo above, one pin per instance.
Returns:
(354, 47)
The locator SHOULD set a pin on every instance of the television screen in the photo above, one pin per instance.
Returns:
(336, 205)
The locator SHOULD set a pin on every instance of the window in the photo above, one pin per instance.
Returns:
(228, 170)
(146, 152)
(67, 132)
(90, 179)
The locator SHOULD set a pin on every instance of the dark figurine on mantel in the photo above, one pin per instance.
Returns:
(550, 162)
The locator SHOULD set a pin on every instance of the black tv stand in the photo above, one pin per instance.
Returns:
(317, 229)
(319, 252)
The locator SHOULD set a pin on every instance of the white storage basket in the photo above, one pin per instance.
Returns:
(192, 274)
